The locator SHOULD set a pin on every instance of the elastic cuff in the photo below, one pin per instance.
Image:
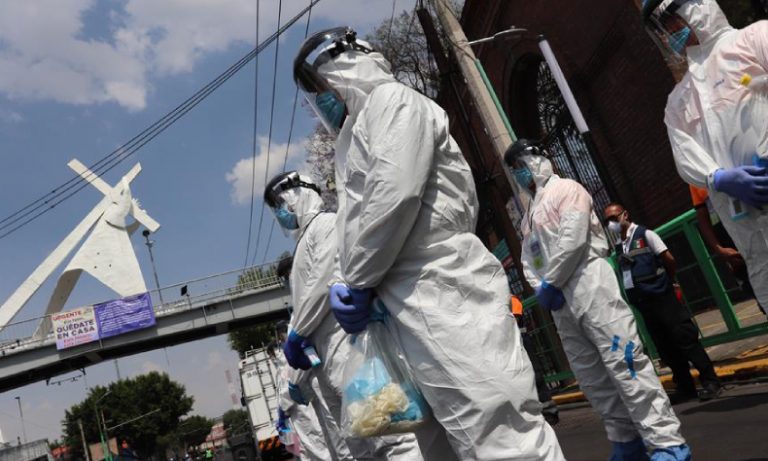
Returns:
(293, 336)
(711, 180)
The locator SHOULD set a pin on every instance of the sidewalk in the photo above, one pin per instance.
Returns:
(737, 361)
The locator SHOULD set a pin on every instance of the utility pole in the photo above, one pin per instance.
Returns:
(496, 126)
(85, 444)
(21, 415)
(486, 105)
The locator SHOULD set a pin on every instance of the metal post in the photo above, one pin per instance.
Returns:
(578, 117)
(149, 244)
(21, 414)
(85, 444)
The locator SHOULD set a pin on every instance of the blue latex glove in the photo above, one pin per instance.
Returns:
(678, 453)
(281, 420)
(296, 395)
(549, 296)
(633, 450)
(351, 307)
(746, 183)
(294, 351)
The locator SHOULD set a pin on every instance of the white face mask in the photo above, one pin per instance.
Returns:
(614, 226)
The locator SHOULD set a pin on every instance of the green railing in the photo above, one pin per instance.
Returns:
(711, 294)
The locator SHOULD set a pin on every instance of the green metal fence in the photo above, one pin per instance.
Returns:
(721, 311)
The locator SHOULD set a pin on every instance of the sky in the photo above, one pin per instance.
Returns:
(78, 78)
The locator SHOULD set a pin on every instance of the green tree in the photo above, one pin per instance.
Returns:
(130, 400)
(191, 432)
(247, 338)
(236, 422)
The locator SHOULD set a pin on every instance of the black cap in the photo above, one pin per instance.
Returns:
(517, 149)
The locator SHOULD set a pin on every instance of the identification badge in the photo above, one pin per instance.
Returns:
(538, 259)
(627, 276)
(737, 209)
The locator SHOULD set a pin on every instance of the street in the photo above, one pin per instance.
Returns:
(730, 428)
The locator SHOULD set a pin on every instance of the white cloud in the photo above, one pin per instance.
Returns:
(44, 55)
(241, 174)
(9, 116)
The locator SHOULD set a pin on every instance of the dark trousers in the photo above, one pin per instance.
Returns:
(676, 337)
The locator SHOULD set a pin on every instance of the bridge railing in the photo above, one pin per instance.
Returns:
(169, 300)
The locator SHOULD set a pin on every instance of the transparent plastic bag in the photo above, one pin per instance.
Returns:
(379, 395)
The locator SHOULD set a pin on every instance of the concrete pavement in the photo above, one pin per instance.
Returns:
(730, 428)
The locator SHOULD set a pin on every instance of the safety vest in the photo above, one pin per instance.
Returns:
(648, 274)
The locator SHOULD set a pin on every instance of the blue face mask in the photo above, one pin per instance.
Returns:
(286, 218)
(678, 40)
(331, 108)
(523, 176)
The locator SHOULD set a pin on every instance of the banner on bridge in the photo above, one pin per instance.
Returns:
(123, 315)
(75, 327)
(92, 323)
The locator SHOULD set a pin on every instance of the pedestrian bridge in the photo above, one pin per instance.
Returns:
(184, 312)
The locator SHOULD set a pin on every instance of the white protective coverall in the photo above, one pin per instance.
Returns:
(564, 245)
(407, 213)
(314, 266)
(715, 122)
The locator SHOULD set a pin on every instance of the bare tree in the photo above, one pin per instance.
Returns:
(321, 163)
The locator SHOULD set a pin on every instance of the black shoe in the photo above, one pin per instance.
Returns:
(680, 397)
(551, 413)
(710, 392)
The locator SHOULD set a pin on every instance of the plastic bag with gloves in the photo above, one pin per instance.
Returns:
(379, 395)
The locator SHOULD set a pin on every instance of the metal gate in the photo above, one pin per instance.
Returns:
(569, 152)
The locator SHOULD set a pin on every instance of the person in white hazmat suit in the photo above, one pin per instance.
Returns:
(298, 207)
(563, 256)
(307, 421)
(407, 212)
(717, 118)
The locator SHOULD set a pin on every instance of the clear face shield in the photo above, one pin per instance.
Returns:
(668, 29)
(281, 195)
(319, 50)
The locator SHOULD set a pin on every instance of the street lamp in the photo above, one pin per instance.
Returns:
(565, 90)
(21, 415)
(149, 244)
(508, 33)
(100, 423)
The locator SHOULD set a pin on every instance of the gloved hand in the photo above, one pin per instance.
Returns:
(282, 418)
(351, 307)
(294, 351)
(549, 297)
(746, 183)
(296, 395)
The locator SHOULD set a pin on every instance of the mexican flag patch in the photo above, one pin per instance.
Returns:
(639, 243)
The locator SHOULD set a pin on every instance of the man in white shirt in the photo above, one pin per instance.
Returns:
(647, 273)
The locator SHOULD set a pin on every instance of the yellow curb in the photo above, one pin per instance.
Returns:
(742, 370)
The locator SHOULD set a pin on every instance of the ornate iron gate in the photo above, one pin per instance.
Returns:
(566, 147)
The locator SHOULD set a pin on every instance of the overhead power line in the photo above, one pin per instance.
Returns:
(290, 136)
(255, 136)
(50, 200)
(271, 122)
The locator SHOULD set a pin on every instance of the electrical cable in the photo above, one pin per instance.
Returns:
(290, 135)
(255, 136)
(50, 200)
(269, 136)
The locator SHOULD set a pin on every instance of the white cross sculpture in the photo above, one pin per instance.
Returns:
(107, 253)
